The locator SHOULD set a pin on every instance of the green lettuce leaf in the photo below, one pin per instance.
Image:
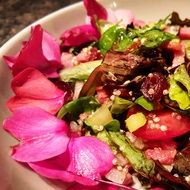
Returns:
(80, 72)
(176, 93)
(80, 105)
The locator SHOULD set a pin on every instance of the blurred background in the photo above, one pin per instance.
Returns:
(17, 14)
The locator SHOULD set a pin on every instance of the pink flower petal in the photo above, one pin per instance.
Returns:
(10, 60)
(55, 168)
(90, 157)
(85, 160)
(41, 52)
(79, 35)
(125, 16)
(41, 148)
(51, 105)
(28, 123)
(97, 187)
(93, 8)
(32, 88)
(42, 135)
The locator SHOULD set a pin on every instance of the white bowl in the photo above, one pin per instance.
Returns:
(14, 176)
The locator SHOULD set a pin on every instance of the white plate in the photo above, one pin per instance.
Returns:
(14, 176)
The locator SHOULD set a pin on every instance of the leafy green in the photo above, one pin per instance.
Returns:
(80, 105)
(142, 101)
(79, 72)
(123, 41)
(113, 125)
(176, 93)
(137, 158)
(181, 75)
(153, 26)
(107, 39)
(120, 105)
(154, 38)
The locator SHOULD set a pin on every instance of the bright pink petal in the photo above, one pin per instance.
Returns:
(41, 147)
(33, 84)
(52, 105)
(79, 35)
(28, 123)
(125, 16)
(10, 60)
(86, 159)
(90, 157)
(94, 9)
(55, 168)
(32, 88)
(41, 52)
(97, 187)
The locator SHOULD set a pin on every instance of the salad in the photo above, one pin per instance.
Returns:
(109, 106)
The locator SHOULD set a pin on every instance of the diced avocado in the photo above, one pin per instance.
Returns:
(135, 121)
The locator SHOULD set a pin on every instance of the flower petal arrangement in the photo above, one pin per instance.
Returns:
(107, 107)
(32, 88)
(41, 51)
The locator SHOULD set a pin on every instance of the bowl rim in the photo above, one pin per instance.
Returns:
(23, 32)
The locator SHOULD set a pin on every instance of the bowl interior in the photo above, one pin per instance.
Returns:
(14, 176)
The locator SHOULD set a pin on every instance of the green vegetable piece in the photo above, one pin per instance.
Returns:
(135, 121)
(155, 38)
(160, 25)
(181, 75)
(176, 93)
(137, 158)
(101, 117)
(120, 105)
(80, 72)
(107, 39)
(142, 101)
(123, 41)
(114, 125)
(104, 136)
(187, 48)
(75, 107)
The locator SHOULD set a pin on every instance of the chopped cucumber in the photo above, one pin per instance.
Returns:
(101, 117)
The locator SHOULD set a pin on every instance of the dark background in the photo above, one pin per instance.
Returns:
(17, 14)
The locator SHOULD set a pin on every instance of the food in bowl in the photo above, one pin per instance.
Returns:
(108, 107)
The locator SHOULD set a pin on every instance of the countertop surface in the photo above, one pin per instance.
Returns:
(17, 14)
